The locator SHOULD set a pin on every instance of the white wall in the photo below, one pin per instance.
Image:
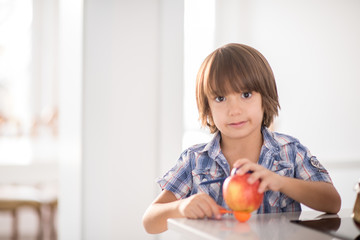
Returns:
(70, 119)
(121, 81)
(170, 101)
(130, 76)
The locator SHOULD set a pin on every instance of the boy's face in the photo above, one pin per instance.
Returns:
(237, 115)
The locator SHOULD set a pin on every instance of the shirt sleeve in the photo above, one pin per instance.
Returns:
(178, 179)
(308, 167)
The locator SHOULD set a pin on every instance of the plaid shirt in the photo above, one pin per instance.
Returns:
(280, 153)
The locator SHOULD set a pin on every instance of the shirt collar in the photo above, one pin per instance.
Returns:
(213, 147)
(269, 141)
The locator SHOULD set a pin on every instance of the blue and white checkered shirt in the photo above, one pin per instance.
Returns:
(280, 153)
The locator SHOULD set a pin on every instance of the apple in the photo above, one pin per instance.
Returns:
(240, 195)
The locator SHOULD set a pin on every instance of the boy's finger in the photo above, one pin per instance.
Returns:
(244, 169)
(206, 209)
(254, 176)
(216, 211)
(240, 162)
(198, 212)
(262, 187)
(214, 208)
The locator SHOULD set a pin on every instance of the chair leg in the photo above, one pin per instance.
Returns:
(40, 235)
(15, 223)
(52, 222)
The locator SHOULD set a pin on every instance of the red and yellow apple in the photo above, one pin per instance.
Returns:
(241, 196)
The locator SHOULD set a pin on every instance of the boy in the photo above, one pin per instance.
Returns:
(237, 99)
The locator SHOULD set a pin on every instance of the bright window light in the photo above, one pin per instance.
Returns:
(199, 42)
(15, 57)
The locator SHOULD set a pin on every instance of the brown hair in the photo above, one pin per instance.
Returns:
(239, 68)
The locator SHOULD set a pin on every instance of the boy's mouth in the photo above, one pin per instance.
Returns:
(237, 124)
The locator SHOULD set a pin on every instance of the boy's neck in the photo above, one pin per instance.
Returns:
(235, 149)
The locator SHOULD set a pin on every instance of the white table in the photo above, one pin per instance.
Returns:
(261, 226)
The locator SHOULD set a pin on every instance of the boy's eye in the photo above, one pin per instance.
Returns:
(246, 95)
(219, 99)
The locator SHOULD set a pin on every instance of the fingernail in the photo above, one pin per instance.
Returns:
(234, 171)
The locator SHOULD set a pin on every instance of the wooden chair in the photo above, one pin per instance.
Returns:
(14, 197)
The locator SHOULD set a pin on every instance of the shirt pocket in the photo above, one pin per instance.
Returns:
(283, 168)
(206, 174)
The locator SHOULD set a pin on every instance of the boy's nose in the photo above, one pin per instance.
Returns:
(235, 107)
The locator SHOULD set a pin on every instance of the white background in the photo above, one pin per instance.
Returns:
(125, 61)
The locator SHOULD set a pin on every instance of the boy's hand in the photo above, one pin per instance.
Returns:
(268, 179)
(199, 206)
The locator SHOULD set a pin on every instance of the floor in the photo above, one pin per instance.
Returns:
(28, 226)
